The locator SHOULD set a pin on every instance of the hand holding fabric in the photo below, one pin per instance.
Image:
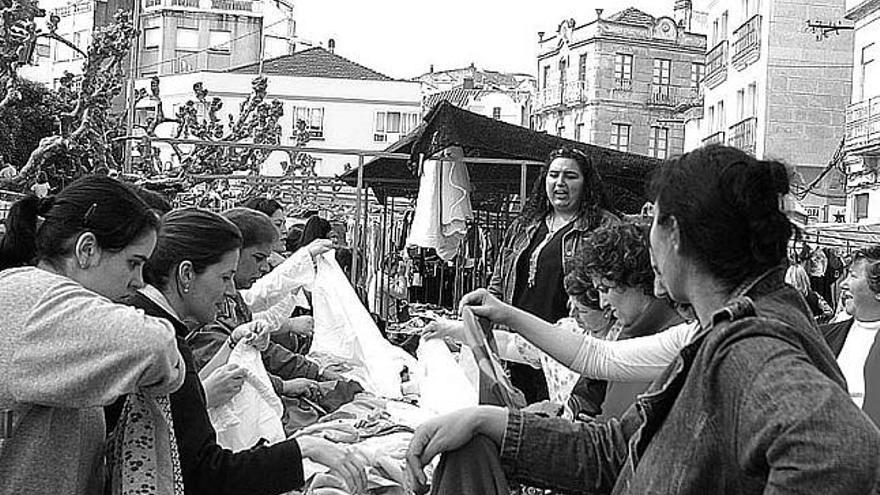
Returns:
(303, 326)
(255, 333)
(485, 305)
(319, 247)
(302, 387)
(346, 462)
(223, 384)
(443, 328)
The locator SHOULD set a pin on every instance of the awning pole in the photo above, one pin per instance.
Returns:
(357, 221)
(523, 171)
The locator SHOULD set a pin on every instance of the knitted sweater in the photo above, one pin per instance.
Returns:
(65, 352)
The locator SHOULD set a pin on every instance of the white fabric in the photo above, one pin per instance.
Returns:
(344, 329)
(853, 356)
(632, 360)
(254, 412)
(443, 204)
(297, 271)
(443, 384)
(279, 312)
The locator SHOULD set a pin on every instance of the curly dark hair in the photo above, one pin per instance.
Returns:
(871, 255)
(579, 286)
(619, 253)
(593, 198)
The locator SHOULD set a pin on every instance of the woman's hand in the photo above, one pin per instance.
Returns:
(302, 387)
(319, 247)
(255, 333)
(485, 305)
(303, 326)
(442, 328)
(450, 432)
(223, 384)
(346, 462)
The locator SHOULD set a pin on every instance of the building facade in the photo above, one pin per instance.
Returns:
(776, 91)
(177, 36)
(621, 81)
(502, 96)
(345, 105)
(863, 114)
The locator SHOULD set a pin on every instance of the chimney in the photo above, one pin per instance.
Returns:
(540, 36)
(331, 45)
(599, 13)
(682, 13)
(467, 83)
(431, 68)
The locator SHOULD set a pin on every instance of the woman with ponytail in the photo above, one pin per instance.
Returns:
(66, 347)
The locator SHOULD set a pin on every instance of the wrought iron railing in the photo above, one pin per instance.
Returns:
(743, 135)
(862, 128)
(717, 138)
(747, 42)
(716, 64)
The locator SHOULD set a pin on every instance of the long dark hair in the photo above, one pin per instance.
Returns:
(97, 204)
(190, 234)
(727, 205)
(315, 228)
(593, 197)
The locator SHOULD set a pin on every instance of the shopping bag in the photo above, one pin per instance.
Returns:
(444, 385)
(495, 386)
(345, 329)
(254, 414)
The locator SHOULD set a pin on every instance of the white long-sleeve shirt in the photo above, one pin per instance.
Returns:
(295, 272)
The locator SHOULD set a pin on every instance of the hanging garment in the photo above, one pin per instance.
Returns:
(443, 205)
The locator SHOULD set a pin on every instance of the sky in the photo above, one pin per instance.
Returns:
(402, 38)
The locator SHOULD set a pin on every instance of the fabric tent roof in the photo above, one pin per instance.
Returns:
(852, 235)
(624, 174)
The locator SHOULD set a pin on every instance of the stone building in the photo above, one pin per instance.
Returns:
(621, 81)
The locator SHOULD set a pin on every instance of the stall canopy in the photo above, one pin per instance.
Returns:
(849, 235)
(446, 125)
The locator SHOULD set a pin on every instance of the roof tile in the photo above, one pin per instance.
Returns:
(314, 62)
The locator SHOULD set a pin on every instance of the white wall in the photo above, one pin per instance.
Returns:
(867, 31)
(511, 111)
(350, 106)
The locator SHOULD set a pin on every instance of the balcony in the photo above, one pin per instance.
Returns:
(663, 95)
(717, 138)
(747, 43)
(240, 6)
(862, 130)
(743, 135)
(622, 85)
(716, 65)
(573, 93)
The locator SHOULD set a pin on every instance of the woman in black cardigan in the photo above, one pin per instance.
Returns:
(188, 274)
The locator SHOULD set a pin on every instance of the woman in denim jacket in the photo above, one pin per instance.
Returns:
(566, 203)
(755, 402)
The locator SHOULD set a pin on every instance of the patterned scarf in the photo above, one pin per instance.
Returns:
(142, 455)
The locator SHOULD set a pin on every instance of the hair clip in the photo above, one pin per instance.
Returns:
(89, 213)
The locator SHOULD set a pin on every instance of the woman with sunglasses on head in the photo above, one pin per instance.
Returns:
(66, 347)
(566, 203)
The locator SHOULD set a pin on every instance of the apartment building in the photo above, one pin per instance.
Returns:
(621, 81)
(863, 114)
(773, 89)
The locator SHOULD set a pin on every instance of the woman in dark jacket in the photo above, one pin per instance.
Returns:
(567, 202)
(189, 274)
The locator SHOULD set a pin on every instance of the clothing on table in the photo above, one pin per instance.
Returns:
(281, 364)
(706, 426)
(208, 468)
(859, 359)
(65, 352)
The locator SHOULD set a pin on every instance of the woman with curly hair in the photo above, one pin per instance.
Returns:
(567, 202)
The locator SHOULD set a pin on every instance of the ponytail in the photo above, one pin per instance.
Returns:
(18, 247)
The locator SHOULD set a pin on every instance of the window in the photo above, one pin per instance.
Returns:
(698, 71)
(496, 113)
(546, 75)
(860, 204)
(870, 72)
(398, 123)
(724, 25)
(43, 50)
(623, 66)
(313, 118)
(187, 38)
(711, 118)
(579, 132)
(662, 69)
(658, 142)
(620, 137)
(721, 117)
(752, 100)
(151, 38)
(560, 127)
(563, 70)
(740, 104)
(582, 67)
(77, 41)
(715, 32)
(220, 41)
